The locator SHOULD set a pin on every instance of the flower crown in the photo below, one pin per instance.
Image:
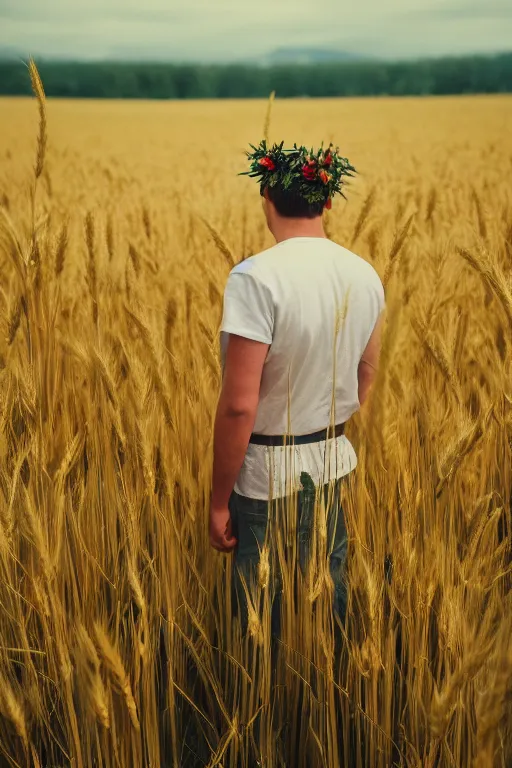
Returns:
(316, 176)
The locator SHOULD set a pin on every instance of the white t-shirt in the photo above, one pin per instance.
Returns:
(316, 304)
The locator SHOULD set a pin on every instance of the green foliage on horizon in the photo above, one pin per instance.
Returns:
(473, 74)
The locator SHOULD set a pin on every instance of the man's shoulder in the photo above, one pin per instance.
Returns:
(364, 268)
(264, 266)
(254, 264)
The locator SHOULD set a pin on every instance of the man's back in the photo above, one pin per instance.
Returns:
(316, 305)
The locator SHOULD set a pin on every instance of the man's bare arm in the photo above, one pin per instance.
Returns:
(234, 423)
(369, 363)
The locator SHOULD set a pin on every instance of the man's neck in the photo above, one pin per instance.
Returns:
(285, 229)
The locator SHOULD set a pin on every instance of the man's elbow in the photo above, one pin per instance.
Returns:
(243, 408)
(367, 370)
(365, 377)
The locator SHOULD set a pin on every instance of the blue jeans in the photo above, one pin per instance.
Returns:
(250, 519)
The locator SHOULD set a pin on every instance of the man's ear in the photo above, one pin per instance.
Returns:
(267, 205)
(328, 204)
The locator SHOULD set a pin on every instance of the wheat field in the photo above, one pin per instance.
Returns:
(119, 223)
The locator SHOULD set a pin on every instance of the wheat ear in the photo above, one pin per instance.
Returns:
(268, 116)
(114, 664)
(37, 87)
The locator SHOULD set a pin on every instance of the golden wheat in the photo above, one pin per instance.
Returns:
(120, 646)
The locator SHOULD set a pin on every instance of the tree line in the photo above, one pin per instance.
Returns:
(457, 75)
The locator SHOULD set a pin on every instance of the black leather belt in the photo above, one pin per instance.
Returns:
(314, 437)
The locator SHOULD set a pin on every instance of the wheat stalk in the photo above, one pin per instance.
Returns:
(268, 117)
(439, 355)
(157, 380)
(135, 258)
(114, 664)
(492, 277)
(219, 242)
(37, 87)
(491, 706)
(364, 215)
(89, 675)
(482, 226)
(92, 275)
(14, 321)
(60, 250)
(463, 445)
(110, 238)
(445, 700)
(12, 710)
(398, 242)
(431, 205)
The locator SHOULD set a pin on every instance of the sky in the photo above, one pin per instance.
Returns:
(226, 30)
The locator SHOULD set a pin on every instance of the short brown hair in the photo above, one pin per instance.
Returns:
(291, 204)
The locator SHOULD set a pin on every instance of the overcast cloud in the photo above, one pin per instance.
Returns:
(223, 30)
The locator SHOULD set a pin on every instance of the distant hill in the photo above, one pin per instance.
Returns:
(307, 56)
(280, 56)
(7, 53)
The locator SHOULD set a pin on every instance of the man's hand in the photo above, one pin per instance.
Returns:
(221, 536)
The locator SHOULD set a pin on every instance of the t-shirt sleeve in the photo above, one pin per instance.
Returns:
(376, 305)
(381, 296)
(248, 308)
(377, 294)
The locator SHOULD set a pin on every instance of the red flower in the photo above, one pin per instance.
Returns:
(326, 177)
(328, 159)
(309, 170)
(268, 163)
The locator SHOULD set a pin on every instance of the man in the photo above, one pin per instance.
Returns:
(300, 340)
